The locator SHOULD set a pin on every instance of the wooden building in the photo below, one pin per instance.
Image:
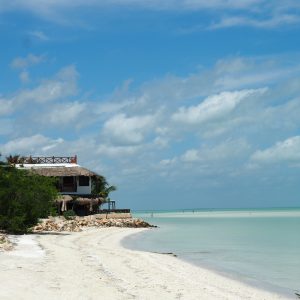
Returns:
(75, 183)
(72, 178)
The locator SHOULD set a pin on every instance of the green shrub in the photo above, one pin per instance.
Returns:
(24, 198)
(69, 214)
(53, 211)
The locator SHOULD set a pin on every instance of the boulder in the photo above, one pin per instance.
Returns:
(5, 243)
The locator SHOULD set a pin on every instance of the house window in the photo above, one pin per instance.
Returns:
(68, 181)
(68, 184)
(84, 181)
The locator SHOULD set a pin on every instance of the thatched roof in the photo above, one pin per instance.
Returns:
(87, 201)
(62, 171)
(66, 198)
(80, 200)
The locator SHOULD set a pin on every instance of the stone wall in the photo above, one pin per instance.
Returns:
(113, 215)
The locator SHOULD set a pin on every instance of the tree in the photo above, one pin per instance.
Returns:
(102, 188)
(24, 198)
(2, 163)
(13, 159)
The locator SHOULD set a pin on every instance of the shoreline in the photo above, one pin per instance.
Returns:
(268, 287)
(94, 264)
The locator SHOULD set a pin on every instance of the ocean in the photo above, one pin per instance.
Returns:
(257, 246)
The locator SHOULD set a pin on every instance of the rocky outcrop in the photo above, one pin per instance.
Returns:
(76, 224)
(57, 225)
(5, 243)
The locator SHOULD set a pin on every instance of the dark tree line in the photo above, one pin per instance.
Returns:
(24, 198)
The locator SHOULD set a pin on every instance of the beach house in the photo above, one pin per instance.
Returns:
(72, 178)
(75, 184)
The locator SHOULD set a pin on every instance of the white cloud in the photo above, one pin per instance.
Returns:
(28, 61)
(233, 74)
(161, 142)
(118, 151)
(60, 87)
(241, 72)
(112, 107)
(275, 21)
(191, 155)
(63, 84)
(259, 10)
(6, 107)
(128, 130)
(6, 126)
(40, 35)
(31, 145)
(65, 113)
(133, 130)
(222, 157)
(207, 164)
(231, 149)
(213, 107)
(47, 7)
(284, 151)
(24, 77)
(168, 162)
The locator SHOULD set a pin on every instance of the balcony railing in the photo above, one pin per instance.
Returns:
(48, 160)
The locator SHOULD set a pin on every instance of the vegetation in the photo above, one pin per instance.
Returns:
(17, 159)
(24, 198)
(69, 214)
(14, 159)
(102, 188)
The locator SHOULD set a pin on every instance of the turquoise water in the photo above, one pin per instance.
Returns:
(261, 247)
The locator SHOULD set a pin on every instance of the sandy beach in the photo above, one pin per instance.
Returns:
(93, 265)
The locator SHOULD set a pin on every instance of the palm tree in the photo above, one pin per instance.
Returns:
(102, 188)
(13, 159)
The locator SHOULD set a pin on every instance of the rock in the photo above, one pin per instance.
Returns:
(5, 243)
(59, 224)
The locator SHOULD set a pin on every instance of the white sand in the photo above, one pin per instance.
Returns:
(93, 265)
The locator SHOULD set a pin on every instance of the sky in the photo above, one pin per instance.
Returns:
(179, 103)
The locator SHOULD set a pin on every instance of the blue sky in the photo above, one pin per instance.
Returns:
(185, 103)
